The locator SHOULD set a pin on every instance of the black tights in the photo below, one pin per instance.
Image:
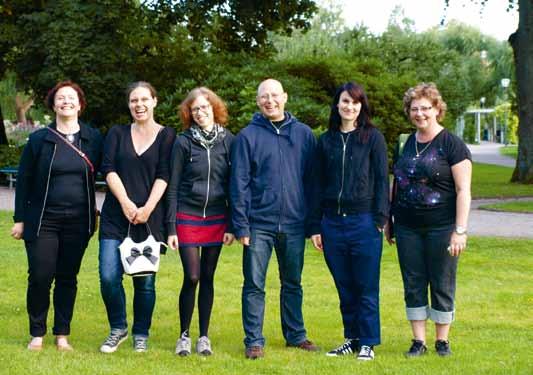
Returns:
(196, 269)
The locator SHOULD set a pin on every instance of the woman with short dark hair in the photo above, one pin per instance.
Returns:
(351, 207)
(197, 207)
(55, 210)
(135, 165)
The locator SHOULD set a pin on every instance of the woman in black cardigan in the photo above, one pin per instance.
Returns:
(55, 210)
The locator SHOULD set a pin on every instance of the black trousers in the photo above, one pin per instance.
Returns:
(56, 254)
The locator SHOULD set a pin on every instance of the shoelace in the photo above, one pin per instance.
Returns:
(113, 339)
(140, 344)
(204, 344)
(365, 351)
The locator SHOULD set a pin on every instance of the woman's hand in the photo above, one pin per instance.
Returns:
(129, 209)
(172, 242)
(143, 214)
(316, 239)
(388, 234)
(228, 239)
(457, 244)
(17, 230)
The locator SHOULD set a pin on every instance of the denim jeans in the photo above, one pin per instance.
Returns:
(111, 271)
(56, 254)
(425, 262)
(290, 254)
(352, 249)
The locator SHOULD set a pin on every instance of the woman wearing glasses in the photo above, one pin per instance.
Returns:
(197, 207)
(431, 201)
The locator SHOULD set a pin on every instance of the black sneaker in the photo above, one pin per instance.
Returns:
(350, 346)
(115, 338)
(417, 349)
(443, 348)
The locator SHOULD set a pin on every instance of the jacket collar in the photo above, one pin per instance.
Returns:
(51, 137)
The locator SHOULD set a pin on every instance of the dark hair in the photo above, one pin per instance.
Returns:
(357, 93)
(132, 86)
(220, 112)
(50, 97)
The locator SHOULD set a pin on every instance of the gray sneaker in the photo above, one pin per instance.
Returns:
(183, 346)
(115, 338)
(140, 344)
(203, 346)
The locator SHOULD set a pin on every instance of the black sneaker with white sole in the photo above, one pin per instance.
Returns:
(366, 353)
(350, 346)
(443, 348)
(115, 338)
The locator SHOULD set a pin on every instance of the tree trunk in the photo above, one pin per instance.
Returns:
(522, 42)
(3, 135)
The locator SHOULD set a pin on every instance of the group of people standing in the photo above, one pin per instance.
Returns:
(269, 187)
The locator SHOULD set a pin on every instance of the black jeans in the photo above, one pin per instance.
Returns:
(55, 254)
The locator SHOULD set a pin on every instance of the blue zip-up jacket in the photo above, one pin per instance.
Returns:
(271, 182)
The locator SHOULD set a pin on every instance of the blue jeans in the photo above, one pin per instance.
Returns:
(352, 250)
(111, 271)
(425, 262)
(290, 254)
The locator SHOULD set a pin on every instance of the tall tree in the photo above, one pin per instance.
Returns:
(522, 43)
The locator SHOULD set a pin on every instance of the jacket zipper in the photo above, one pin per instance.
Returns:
(344, 143)
(46, 191)
(278, 131)
(88, 192)
(208, 178)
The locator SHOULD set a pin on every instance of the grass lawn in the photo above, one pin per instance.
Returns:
(526, 207)
(492, 181)
(492, 334)
(511, 151)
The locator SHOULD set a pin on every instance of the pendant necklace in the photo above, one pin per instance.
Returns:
(418, 153)
(70, 138)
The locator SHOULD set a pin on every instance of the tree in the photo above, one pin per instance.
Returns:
(522, 43)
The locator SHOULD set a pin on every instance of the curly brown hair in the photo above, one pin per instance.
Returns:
(220, 112)
(427, 91)
(51, 95)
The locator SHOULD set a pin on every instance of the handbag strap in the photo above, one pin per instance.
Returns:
(78, 151)
(147, 227)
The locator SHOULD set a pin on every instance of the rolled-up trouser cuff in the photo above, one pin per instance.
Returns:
(441, 317)
(417, 313)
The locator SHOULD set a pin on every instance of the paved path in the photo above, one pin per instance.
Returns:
(481, 222)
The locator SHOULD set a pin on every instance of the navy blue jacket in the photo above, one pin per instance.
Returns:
(34, 174)
(352, 177)
(271, 182)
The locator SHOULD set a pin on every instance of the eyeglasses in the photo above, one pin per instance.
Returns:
(274, 96)
(203, 108)
(421, 109)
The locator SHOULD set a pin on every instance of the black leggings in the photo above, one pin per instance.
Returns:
(196, 269)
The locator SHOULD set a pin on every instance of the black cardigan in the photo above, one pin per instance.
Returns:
(34, 175)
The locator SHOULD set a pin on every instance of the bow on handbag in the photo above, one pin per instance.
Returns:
(146, 252)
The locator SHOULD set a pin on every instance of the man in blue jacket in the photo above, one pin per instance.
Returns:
(270, 187)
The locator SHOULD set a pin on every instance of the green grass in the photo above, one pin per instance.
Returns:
(511, 151)
(492, 181)
(492, 334)
(526, 207)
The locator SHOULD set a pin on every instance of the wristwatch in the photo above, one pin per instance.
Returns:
(460, 230)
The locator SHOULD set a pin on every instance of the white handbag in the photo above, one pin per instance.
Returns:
(140, 258)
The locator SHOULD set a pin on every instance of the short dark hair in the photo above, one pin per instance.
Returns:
(147, 85)
(50, 97)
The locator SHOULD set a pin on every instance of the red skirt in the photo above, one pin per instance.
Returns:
(200, 231)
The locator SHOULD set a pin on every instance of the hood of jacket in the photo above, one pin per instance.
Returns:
(284, 130)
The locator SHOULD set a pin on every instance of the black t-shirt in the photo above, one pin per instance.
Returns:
(425, 190)
(138, 174)
(67, 190)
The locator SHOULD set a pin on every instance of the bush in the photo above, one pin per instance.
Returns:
(9, 155)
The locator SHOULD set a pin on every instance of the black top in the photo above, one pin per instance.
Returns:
(138, 174)
(33, 179)
(67, 180)
(425, 190)
(199, 181)
(351, 177)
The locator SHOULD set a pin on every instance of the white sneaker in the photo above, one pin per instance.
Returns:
(183, 346)
(203, 346)
(366, 353)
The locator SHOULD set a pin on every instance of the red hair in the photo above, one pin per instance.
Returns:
(50, 97)
(220, 112)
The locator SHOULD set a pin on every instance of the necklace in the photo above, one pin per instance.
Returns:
(70, 138)
(418, 153)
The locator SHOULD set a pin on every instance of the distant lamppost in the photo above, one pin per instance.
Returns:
(505, 84)
(482, 101)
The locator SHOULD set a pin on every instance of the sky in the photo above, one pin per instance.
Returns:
(494, 20)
